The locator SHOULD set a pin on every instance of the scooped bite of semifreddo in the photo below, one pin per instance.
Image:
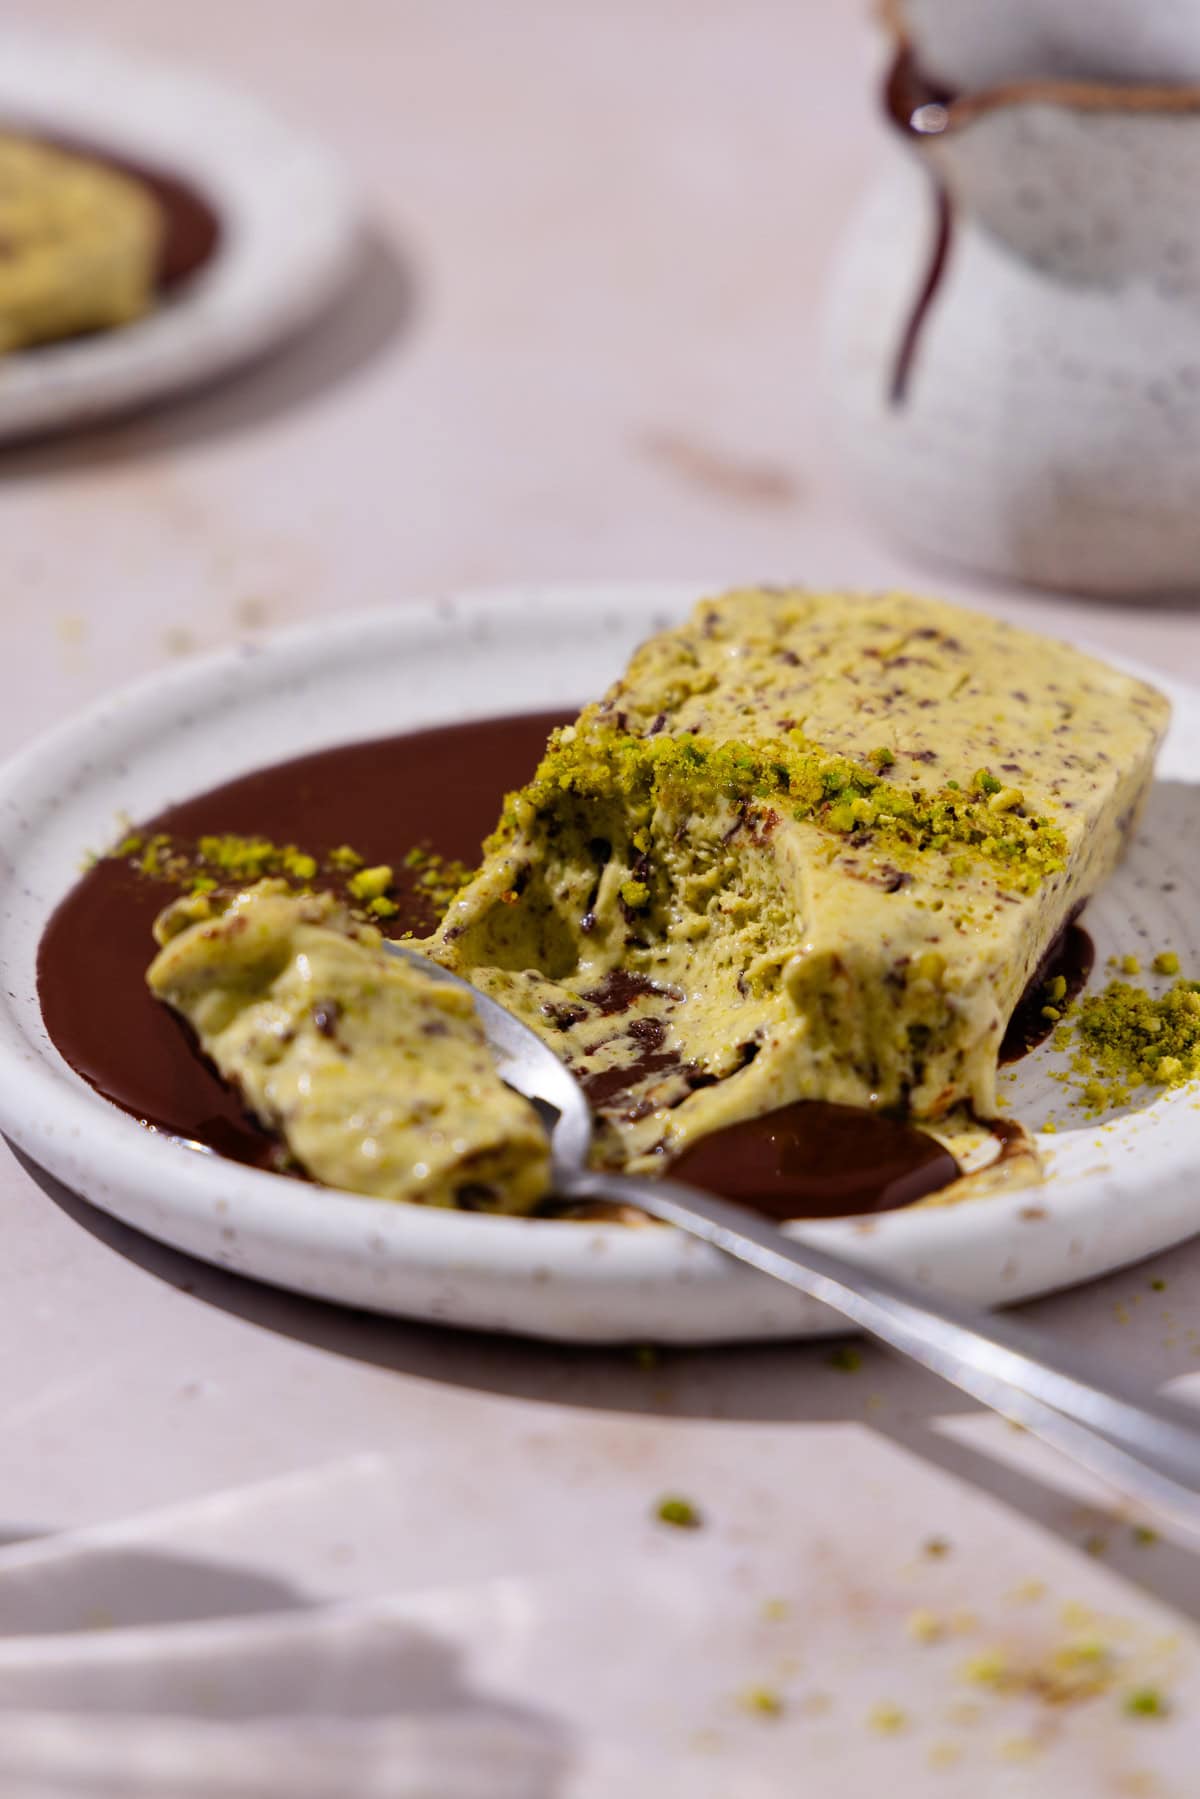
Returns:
(809, 846)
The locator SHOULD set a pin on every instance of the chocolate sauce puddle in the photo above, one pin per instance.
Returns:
(437, 787)
(817, 1160)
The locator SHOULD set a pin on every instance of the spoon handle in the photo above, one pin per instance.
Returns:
(1147, 1447)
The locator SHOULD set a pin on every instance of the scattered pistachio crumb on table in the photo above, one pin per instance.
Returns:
(1146, 1702)
(1018, 1749)
(678, 1512)
(887, 1719)
(763, 1702)
(846, 1358)
(925, 1626)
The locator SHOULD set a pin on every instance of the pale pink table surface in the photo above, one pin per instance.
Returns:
(583, 348)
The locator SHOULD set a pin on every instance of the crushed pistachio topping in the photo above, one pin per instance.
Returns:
(1125, 1038)
(231, 860)
(594, 759)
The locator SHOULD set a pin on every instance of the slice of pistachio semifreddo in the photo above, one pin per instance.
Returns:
(809, 846)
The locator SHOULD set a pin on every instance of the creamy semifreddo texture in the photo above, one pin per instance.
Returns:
(809, 846)
(80, 242)
(376, 1075)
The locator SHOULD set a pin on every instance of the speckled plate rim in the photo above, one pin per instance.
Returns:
(289, 226)
(506, 650)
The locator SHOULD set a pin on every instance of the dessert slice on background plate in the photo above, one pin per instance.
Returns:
(80, 244)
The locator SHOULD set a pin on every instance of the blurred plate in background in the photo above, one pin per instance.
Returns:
(288, 227)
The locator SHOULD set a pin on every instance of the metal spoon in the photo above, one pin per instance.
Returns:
(1146, 1446)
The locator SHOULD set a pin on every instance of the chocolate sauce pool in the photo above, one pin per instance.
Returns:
(812, 1160)
(440, 787)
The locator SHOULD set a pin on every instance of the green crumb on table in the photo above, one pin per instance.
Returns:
(371, 883)
(1146, 1702)
(924, 1627)
(991, 1668)
(1130, 965)
(1166, 962)
(776, 1610)
(935, 1548)
(763, 1702)
(846, 1359)
(1158, 1285)
(887, 1719)
(681, 1514)
(1144, 1536)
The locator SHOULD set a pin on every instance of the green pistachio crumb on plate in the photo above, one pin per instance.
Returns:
(371, 883)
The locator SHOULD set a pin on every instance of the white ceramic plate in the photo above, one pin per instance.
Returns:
(1115, 1192)
(288, 227)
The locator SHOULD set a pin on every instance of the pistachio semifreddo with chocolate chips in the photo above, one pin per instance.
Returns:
(809, 846)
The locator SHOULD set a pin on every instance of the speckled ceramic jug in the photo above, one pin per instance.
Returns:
(1013, 333)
